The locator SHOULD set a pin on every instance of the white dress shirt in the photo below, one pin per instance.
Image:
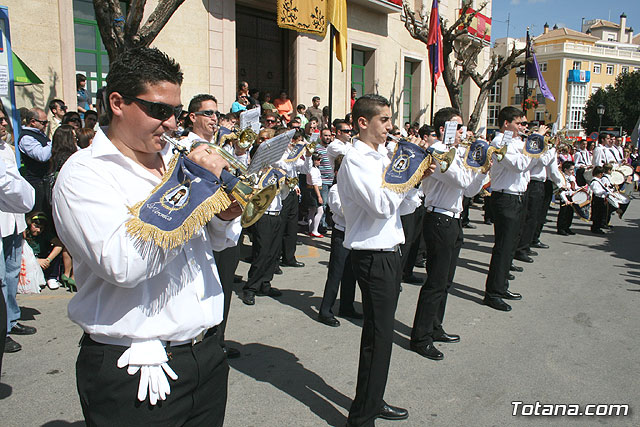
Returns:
(615, 153)
(538, 171)
(445, 190)
(337, 148)
(512, 173)
(336, 207)
(598, 188)
(17, 196)
(315, 178)
(372, 213)
(583, 159)
(602, 155)
(124, 291)
(554, 174)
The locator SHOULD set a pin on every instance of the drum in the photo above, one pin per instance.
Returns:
(581, 197)
(617, 199)
(617, 178)
(588, 175)
(626, 170)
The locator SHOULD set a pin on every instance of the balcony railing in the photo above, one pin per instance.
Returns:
(588, 50)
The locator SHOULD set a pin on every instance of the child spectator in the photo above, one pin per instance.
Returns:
(46, 247)
(315, 199)
(301, 109)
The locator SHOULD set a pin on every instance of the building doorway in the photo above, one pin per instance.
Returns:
(262, 53)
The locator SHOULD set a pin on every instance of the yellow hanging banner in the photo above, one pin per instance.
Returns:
(304, 16)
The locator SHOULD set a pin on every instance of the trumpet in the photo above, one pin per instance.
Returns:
(311, 147)
(254, 202)
(444, 158)
(244, 139)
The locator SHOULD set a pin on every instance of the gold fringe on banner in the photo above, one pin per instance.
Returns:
(412, 182)
(144, 232)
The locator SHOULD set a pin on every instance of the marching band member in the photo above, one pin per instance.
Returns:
(203, 116)
(443, 236)
(565, 216)
(509, 180)
(598, 207)
(584, 160)
(373, 233)
(602, 153)
(147, 314)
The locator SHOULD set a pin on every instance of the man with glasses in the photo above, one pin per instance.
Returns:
(35, 152)
(58, 109)
(270, 120)
(203, 115)
(342, 142)
(149, 315)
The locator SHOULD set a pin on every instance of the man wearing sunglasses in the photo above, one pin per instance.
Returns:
(203, 116)
(35, 152)
(342, 142)
(57, 109)
(149, 315)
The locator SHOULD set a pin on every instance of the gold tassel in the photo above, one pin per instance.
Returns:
(415, 178)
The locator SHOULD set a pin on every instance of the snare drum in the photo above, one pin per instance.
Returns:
(617, 200)
(626, 170)
(617, 178)
(581, 197)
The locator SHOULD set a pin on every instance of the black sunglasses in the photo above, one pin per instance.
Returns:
(344, 130)
(157, 110)
(524, 123)
(206, 113)
(74, 119)
(42, 122)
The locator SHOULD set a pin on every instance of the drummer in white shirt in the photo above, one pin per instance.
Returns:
(373, 232)
(147, 315)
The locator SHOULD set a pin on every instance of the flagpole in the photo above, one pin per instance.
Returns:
(331, 36)
(526, 80)
(433, 86)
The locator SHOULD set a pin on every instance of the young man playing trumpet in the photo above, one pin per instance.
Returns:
(373, 232)
(443, 237)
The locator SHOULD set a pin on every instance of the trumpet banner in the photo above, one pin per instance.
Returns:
(305, 16)
(535, 146)
(407, 166)
(185, 200)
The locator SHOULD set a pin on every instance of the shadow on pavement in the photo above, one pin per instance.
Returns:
(28, 313)
(464, 292)
(60, 423)
(283, 370)
(5, 391)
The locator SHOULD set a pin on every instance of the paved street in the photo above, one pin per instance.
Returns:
(572, 339)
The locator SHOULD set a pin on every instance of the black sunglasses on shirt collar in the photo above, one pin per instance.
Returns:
(157, 110)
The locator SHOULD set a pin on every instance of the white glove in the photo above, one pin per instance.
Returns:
(150, 358)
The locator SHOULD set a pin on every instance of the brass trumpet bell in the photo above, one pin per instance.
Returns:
(499, 152)
(246, 138)
(254, 202)
(445, 159)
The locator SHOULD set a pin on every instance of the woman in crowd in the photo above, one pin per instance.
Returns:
(284, 106)
(72, 118)
(266, 103)
(84, 137)
(84, 99)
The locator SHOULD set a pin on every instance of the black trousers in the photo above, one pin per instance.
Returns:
(507, 216)
(464, 215)
(443, 236)
(565, 217)
(598, 213)
(488, 215)
(340, 275)
(3, 325)
(544, 209)
(266, 249)
(535, 197)
(108, 394)
(227, 262)
(289, 218)
(378, 275)
(412, 227)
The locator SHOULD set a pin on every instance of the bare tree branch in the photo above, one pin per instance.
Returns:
(134, 17)
(157, 20)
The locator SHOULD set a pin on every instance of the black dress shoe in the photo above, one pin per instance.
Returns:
(497, 304)
(445, 337)
(412, 279)
(532, 253)
(351, 314)
(232, 353)
(19, 329)
(278, 270)
(421, 263)
(329, 321)
(511, 277)
(429, 351)
(272, 292)
(539, 245)
(570, 232)
(237, 279)
(488, 222)
(516, 268)
(597, 231)
(10, 346)
(294, 264)
(249, 298)
(562, 233)
(469, 226)
(389, 412)
(523, 258)
(512, 295)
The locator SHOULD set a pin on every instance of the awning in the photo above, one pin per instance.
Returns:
(22, 74)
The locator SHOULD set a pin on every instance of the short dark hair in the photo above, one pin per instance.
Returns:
(509, 114)
(313, 119)
(316, 157)
(301, 107)
(69, 115)
(368, 106)
(425, 130)
(314, 98)
(597, 171)
(442, 116)
(338, 122)
(567, 164)
(196, 101)
(55, 103)
(138, 67)
(602, 136)
(90, 113)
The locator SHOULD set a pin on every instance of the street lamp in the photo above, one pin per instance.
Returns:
(525, 83)
(600, 111)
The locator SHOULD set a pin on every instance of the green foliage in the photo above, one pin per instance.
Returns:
(621, 103)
